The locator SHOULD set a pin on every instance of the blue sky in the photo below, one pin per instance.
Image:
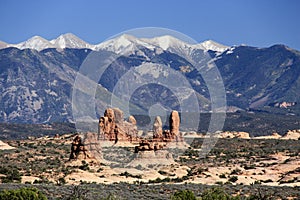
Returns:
(258, 23)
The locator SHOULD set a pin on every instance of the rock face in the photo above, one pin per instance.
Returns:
(292, 135)
(132, 120)
(92, 146)
(234, 134)
(87, 148)
(157, 128)
(4, 146)
(273, 136)
(148, 146)
(113, 127)
(174, 123)
(107, 125)
(152, 158)
(172, 135)
(78, 150)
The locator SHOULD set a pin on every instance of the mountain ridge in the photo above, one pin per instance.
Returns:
(36, 86)
(69, 40)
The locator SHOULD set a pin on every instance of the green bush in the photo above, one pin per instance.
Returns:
(127, 174)
(110, 197)
(12, 175)
(222, 176)
(233, 179)
(183, 195)
(217, 194)
(84, 166)
(22, 194)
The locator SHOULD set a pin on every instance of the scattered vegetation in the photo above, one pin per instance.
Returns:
(233, 179)
(22, 194)
(11, 175)
(183, 195)
(47, 159)
(126, 174)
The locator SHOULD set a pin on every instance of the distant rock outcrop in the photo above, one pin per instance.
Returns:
(154, 150)
(174, 123)
(87, 148)
(157, 128)
(292, 135)
(113, 127)
(285, 104)
(273, 136)
(172, 135)
(92, 146)
(233, 134)
(4, 146)
(152, 158)
(78, 150)
(132, 120)
(148, 146)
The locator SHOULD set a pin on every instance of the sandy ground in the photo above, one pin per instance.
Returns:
(272, 175)
(280, 170)
(30, 179)
(4, 146)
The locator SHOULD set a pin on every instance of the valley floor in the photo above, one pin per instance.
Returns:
(240, 166)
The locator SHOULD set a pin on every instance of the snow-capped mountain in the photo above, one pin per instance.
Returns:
(122, 43)
(70, 40)
(129, 43)
(38, 43)
(212, 45)
(3, 45)
(166, 42)
(36, 86)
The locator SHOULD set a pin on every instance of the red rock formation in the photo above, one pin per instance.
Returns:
(88, 148)
(92, 146)
(171, 135)
(113, 127)
(157, 128)
(78, 150)
(174, 123)
(145, 145)
(132, 120)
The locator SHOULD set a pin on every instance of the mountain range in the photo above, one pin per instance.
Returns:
(37, 76)
(70, 40)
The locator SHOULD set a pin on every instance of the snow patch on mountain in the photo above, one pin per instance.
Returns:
(165, 42)
(211, 45)
(3, 45)
(124, 44)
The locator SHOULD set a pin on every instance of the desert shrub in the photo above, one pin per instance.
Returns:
(110, 197)
(127, 174)
(246, 167)
(235, 171)
(61, 181)
(22, 194)
(84, 166)
(233, 179)
(222, 176)
(42, 180)
(217, 194)
(162, 172)
(100, 170)
(12, 175)
(183, 195)
(267, 181)
(77, 193)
